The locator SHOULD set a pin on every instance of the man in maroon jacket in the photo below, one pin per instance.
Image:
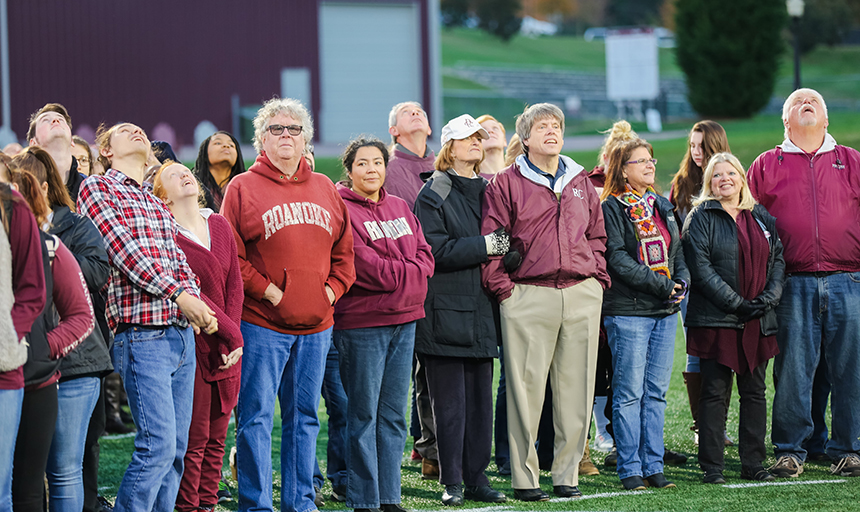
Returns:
(550, 304)
(812, 186)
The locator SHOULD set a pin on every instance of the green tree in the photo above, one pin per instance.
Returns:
(729, 51)
(824, 22)
(633, 12)
(454, 12)
(499, 17)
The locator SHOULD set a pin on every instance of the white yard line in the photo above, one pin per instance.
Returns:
(766, 484)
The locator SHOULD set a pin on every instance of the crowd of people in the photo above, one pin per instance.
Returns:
(219, 288)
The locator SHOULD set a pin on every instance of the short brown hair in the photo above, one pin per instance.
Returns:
(79, 141)
(40, 163)
(49, 107)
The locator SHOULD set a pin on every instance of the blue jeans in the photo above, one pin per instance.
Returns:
(157, 368)
(289, 367)
(335, 406)
(375, 364)
(10, 404)
(642, 353)
(76, 399)
(817, 314)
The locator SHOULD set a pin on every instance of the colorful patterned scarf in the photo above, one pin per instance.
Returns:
(653, 250)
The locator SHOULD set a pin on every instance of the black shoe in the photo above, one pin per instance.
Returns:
(484, 493)
(505, 469)
(114, 426)
(674, 458)
(633, 483)
(318, 498)
(612, 458)
(818, 457)
(714, 476)
(453, 495)
(566, 491)
(104, 505)
(392, 507)
(338, 494)
(758, 474)
(530, 495)
(658, 480)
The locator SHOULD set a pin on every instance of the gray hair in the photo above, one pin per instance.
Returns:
(532, 114)
(786, 107)
(392, 116)
(288, 106)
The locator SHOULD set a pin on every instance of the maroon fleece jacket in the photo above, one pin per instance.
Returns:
(392, 263)
(292, 232)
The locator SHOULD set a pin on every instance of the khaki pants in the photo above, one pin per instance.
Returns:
(551, 332)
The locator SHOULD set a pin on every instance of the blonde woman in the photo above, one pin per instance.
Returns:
(737, 272)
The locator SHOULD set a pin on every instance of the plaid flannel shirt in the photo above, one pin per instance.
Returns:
(147, 265)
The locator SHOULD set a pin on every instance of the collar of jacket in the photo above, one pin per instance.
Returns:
(572, 170)
(829, 144)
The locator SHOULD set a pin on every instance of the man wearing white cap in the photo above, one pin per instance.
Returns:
(550, 304)
(458, 338)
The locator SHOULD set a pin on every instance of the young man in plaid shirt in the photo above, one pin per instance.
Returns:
(154, 309)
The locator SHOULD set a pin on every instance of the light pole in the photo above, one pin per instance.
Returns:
(795, 10)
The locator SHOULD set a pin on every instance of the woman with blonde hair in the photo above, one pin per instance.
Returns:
(737, 273)
(457, 338)
(494, 146)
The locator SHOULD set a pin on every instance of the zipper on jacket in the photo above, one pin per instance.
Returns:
(558, 231)
(815, 207)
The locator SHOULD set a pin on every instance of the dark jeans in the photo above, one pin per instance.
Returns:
(91, 454)
(426, 444)
(461, 393)
(335, 406)
(817, 444)
(716, 380)
(38, 419)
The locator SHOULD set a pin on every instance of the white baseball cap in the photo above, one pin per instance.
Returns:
(461, 127)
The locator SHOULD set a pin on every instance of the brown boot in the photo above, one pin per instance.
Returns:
(586, 467)
(693, 381)
(430, 469)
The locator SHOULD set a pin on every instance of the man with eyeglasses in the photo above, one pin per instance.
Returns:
(296, 255)
(51, 129)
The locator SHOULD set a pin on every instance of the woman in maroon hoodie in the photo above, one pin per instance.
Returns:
(207, 241)
(22, 299)
(374, 325)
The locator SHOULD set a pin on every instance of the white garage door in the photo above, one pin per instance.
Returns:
(370, 59)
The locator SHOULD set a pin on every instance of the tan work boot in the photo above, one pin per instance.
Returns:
(586, 467)
(429, 469)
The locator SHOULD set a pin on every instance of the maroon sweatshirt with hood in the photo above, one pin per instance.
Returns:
(392, 263)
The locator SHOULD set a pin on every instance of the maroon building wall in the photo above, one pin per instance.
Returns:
(151, 61)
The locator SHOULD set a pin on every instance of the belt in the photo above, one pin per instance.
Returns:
(817, 274)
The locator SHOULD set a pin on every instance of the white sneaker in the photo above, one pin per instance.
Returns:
(603, 442)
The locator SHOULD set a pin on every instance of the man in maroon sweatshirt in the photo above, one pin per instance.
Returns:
(296, 255)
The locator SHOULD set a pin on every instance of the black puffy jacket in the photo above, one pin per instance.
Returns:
(636, 289)
(84, 241)
(710, 243)
(461, 319)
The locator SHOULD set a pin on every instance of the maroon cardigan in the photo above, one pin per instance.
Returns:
(222, 289)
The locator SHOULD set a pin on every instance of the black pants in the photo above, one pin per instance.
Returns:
(91, 454)
(461, 394)
(716, 381)
(38, 419)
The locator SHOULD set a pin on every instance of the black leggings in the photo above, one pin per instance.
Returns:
(38, 419)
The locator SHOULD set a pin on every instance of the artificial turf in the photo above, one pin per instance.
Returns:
(815, 490)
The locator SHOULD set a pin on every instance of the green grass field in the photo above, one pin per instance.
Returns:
(815, 490)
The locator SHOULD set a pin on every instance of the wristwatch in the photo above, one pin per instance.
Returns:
(176, 293)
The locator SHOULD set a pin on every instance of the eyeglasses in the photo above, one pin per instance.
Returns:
(643, 161)
(278, 129)
(82, 159)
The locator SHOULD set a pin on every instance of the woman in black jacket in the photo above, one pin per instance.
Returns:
(737, 272)
(649, 280)
(82, 369)
(458, 338)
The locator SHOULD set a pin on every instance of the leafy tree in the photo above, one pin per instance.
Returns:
(633, 12)
(729, 51)
(499, 17)
(824, 22)
(454, 12)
